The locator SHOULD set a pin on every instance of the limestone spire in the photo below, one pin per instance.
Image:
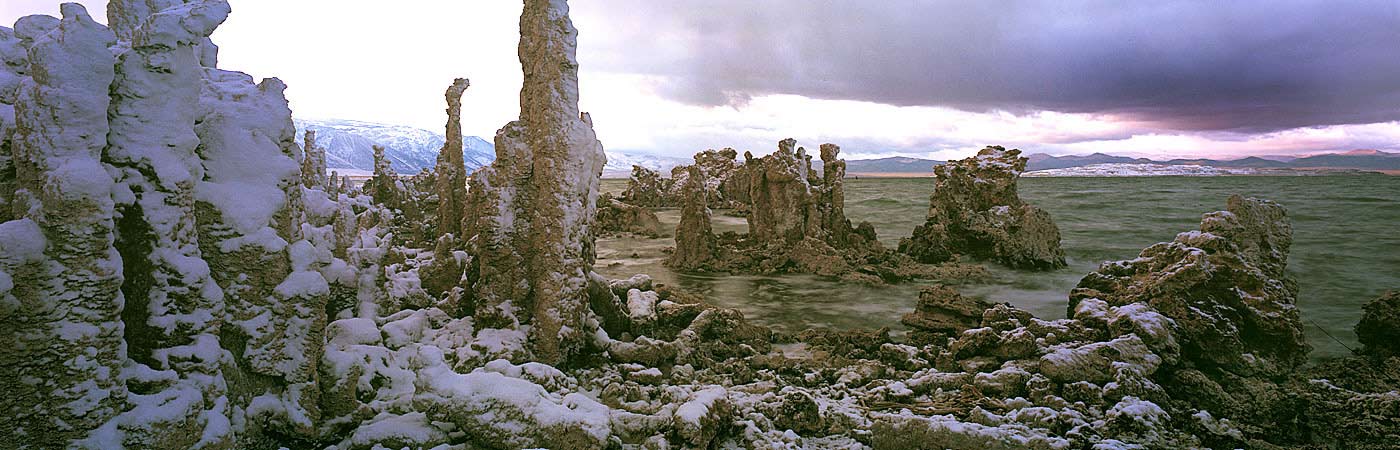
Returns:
(313, 163)
(532, 211)
(451, 172)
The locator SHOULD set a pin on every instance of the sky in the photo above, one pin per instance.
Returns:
(923, 78)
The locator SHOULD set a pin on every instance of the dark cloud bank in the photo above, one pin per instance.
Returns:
(1247, 65)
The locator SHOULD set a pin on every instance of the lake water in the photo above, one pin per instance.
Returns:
(1346, 247)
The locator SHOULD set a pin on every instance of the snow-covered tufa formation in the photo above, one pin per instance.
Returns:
(158, 279)
(168, 280)
(975, 211)
(531, 211)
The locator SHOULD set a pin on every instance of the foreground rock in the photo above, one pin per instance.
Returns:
(531, 211)
(318, 330)
(975, 211)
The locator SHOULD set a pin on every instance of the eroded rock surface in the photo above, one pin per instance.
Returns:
(532, 210)
(695, 241)
(942, 312)
(975, 211)
(1379, 328)
(647, 188)
(614, 216)
(797, 223)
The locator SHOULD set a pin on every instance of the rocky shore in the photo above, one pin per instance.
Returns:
(175, 272)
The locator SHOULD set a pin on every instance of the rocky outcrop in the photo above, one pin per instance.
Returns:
(1234, 360)
(14, 66)
(614, 216)
(788, 203)
(313, 163)
(941, 313)
(172, 301)
(450, 171)
(384, 187)
(695, 241)
(532, 210)
(1232, 267)
(797, 224)
(647, 188)
(1379, 328)
(63, 334)
(1353, 402)
(975, 211)
(784, 204)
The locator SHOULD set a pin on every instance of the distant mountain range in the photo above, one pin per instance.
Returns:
(1355, 159)
(350, 144)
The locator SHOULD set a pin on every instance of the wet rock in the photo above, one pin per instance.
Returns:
(942, 312)
(784, 206)
(975, 211)
(695, 242)
(1379, 328)
(532, 211)
(1253, 325)
(615, 216)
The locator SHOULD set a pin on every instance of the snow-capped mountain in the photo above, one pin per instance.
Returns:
(1139, 170)
(349, 145)
(620, 164)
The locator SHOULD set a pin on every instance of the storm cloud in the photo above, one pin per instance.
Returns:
(1245, 66)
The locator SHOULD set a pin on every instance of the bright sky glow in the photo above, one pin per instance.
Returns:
(390, 62)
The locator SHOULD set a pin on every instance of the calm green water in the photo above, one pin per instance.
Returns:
(1346, 247)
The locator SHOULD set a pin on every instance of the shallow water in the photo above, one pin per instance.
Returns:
(1346, 247)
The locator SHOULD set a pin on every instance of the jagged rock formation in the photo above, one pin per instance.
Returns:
(941, 313)
(614, 216)
(313, 164)
(695, 242)
(384, 187)
(63, 329)
(647, 188)
(789, 204)
(1379, 328)
(975, 211)
(1234, 268)
(726, 181)
(797, 223)
(532, 209)
(451, 173)
(1352, 402)
(250, 311)
(14, 66)
(168, 275)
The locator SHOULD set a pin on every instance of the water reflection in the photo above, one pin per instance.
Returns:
(1346, 247)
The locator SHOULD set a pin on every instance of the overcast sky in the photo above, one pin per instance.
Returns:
(920, 78)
